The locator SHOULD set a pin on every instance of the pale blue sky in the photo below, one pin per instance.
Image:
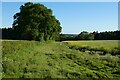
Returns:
(73, 16)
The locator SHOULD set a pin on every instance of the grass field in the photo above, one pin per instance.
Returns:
(31, 59)
(106, 44)
(110, 46)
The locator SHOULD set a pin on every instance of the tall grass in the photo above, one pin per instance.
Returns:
(31, 59)
(106, 46)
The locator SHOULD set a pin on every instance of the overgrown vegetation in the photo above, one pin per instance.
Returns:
(31, 59)
(99, 46)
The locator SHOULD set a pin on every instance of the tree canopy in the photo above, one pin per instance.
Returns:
(85, 36)
(36, 22)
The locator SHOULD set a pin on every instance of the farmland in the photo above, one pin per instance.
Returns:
(32, 59)
(106, 46)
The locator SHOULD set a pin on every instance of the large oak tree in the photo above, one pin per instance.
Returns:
(36, 22)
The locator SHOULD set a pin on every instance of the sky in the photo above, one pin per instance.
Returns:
(74, 17)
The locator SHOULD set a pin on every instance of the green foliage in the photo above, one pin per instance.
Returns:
(31, 59)
(107, 35)
(85, 36)
(36, 22)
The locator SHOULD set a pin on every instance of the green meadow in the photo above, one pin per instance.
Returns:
(32, 59)
(106, 44)
(101, 46)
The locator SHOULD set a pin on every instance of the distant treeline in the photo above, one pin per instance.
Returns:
(8, 33)
(107, 35)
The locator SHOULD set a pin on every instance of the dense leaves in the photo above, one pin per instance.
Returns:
(36, 22)
(85, 36)
(7, 33)
(107, 35)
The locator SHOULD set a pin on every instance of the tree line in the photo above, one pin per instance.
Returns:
(9, 33)
(107, 35)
